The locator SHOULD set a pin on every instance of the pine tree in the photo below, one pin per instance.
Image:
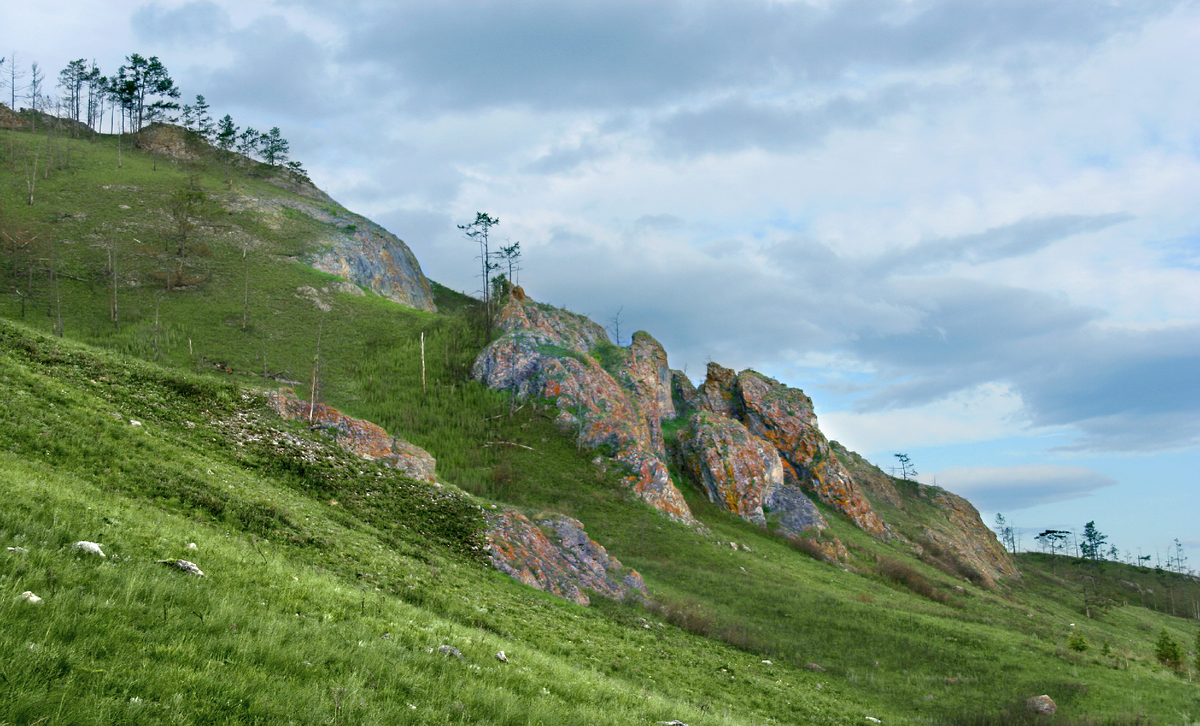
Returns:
(1093, 542)
(1167, 651)
(274, 147)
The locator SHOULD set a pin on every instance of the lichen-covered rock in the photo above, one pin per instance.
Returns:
(933, 520)
(566, 563)
(718, 393)
(557, 327)
(784, 416)
(650, 479)
(368, 255)
(651, 377)
(546, 353)
(744, 474)
(875, 484)
(363, 438)
(683, 394)
(736, 468)
(1042, 705)
(789, 509)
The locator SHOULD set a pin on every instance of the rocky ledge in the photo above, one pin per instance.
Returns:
(363, 438)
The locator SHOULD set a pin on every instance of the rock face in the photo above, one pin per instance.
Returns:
(616, 407)
(744, 474)
(168, 140)
(363, 438)
(556, 555)
(737, 469)
(366, 254)
(784, 416)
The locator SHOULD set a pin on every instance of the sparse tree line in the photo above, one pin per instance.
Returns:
(139, 93)
(1093, 545)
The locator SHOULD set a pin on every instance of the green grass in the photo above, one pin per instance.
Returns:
(403, 560)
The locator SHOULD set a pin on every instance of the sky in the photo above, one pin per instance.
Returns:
(968, 229)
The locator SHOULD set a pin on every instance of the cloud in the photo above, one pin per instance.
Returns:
(599, 54)
(1006, 241)
(1008, 488)
(193, 23)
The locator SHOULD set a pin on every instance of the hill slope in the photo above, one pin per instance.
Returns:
(946, 649)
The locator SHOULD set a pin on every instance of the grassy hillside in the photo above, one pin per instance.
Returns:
(311, 558)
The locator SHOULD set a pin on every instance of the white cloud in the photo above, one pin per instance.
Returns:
(1008, 488)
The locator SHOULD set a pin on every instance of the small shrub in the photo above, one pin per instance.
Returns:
(1167, 651)
(1077, 642)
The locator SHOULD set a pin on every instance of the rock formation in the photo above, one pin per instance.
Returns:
(784, 416)
(363, 438)
(557, 556)
(617, 408)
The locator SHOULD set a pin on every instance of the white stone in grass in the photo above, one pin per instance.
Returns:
(450, 650)
(30, 598)
(872, 719)
(767, 662)
(183, 566)
(191, 546)
(90, 547)
(18, 550)
(676, 722)
(501, 657)
(134, 423)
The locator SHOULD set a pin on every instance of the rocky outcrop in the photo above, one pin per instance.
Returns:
(683, 394)
(556, 555)
(718, 393)
(743, 474)
(10, 119)
(360, 437)
(736, 468)
(548, 353)
(169, 140)
(784, 416)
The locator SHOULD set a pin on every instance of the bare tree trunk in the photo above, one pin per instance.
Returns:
(316, 372)
(424, 391)
(246, 295)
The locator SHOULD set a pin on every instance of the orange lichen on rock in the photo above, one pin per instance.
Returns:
(366, 439)
(556, 555)
(546, 353)
(784, 416)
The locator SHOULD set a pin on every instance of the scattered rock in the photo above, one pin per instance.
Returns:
(767, 662)
(814, 667)
(30, 598)
(192, 546)
(90, 547)
(501, 657)
(872, 719)
(1042, 705)
(18, 550)
(134, 423)
(676, 722)
(450, 650)
(183, 566)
